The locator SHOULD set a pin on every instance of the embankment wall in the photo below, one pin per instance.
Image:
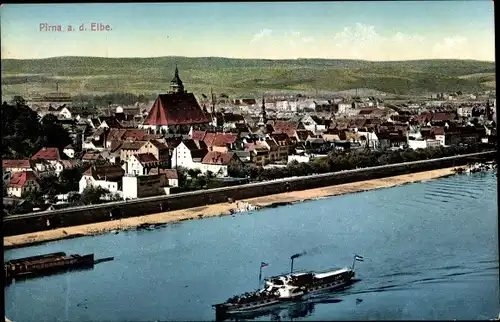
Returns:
(28, 223)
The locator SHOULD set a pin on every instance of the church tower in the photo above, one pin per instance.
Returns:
(488, 112)
(176, 85)
(263, 115)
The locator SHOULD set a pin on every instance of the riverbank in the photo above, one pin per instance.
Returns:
(220, 209)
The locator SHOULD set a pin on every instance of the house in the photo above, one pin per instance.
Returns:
(69, 151)
(221, 142)
(308, 123)
(284, 127)
(92, 157)
(273, 150)
(219, 162)
(16, 165)
(285, 146)
(259, 154)
(140, 164)
(368, 139)
(423, 143)
(439, 134)
(47, 154)
(189, 154)
(46, 159)
(391, 140)
(142, 186)
(159, 149)
(129, 148)
(64, 112)
(106, 176)
(171, 176)
(343, 108)
(21, 182)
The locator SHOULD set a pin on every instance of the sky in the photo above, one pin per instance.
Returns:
(380, 31)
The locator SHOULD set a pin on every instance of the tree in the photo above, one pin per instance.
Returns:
(55, 135)
(18, 100)
(69, 179)
(194, 173)
(34, 197)
(92, 195)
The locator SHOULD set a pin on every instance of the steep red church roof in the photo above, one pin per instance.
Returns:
(176, 109)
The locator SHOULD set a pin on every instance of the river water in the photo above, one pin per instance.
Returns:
(430, 250)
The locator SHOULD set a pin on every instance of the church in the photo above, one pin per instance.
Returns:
(176, 112)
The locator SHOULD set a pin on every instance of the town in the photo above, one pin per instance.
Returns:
(182, 142)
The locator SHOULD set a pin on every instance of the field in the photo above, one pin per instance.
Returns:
(93, 75)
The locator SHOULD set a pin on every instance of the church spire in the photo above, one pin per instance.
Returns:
(263, 114)
(176, 85)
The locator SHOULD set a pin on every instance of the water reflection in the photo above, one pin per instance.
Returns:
(292, 310)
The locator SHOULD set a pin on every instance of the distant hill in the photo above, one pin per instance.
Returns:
(94, 75)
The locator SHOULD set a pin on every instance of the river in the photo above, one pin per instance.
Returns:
(430, 250)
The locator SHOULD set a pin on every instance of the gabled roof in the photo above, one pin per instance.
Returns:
(145, 158)
(198, 135)
(304, 134)
(111, 121)
(92, 156)
(135, 134)
(194, 145)
(169, 173)
(218, 158)
(272, 145)
(159, 145)
(105, 172)
(279, 136)
(437, 130)
(51, 154)
(16, 164)
(176, 109)
(19, 179)
(132, 145)
(223, 139)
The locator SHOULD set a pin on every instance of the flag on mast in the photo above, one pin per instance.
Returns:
(358, 258)
(262, 264)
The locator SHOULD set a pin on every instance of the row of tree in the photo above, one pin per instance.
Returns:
(347, 161)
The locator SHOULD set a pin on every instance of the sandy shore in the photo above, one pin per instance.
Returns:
(219, 209)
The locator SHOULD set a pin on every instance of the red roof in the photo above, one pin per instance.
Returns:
(19, 179)
(16, 164)
(136, 134)
(145, 158)
(209, 138)
(443, 116)
(176, 109)
(92, 156)
(224, 139)
(285, 127)
(47, 154)
(219, 158)
(437, 130)
(198, 135)
(169, 173)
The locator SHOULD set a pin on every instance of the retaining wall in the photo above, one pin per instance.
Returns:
(27, 223)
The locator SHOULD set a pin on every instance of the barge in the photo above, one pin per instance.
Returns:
(45, 264)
